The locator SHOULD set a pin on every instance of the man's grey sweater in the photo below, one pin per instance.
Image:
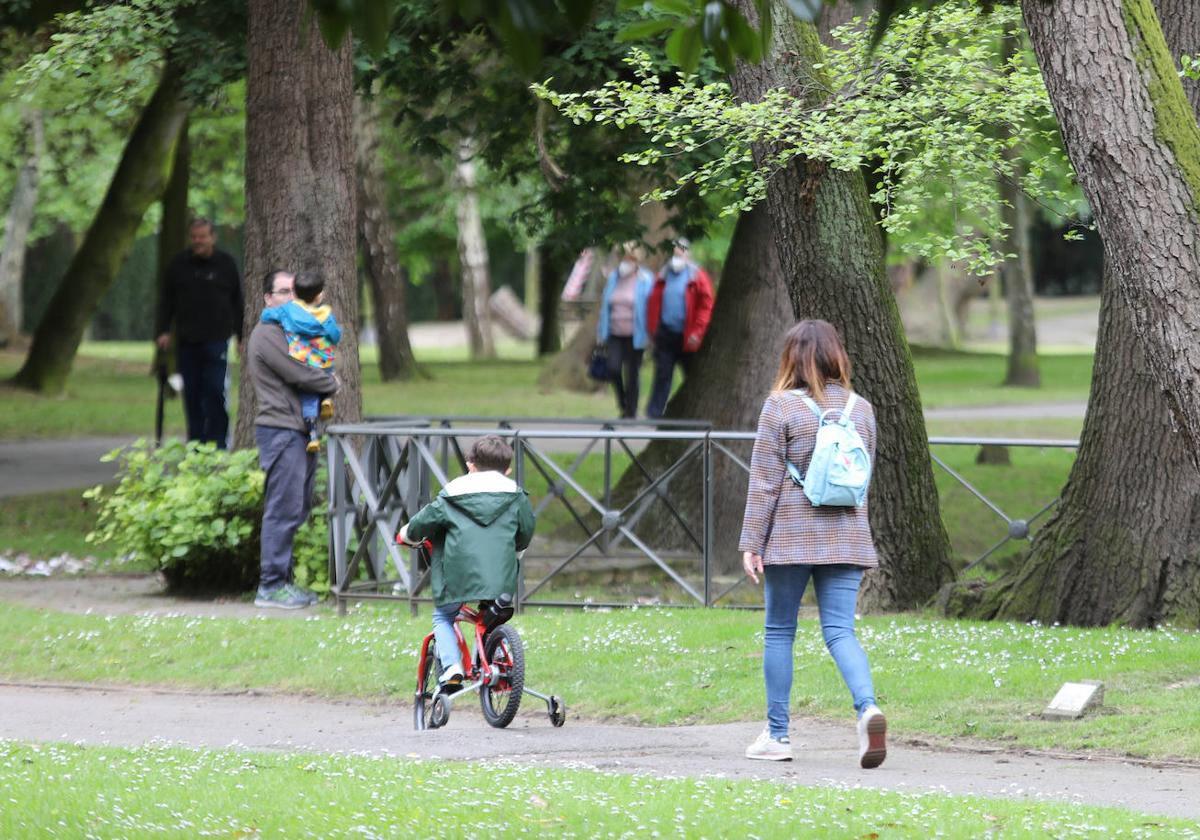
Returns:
(278, 379)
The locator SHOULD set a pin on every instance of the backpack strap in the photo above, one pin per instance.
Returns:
(808, 401)
(849, 405)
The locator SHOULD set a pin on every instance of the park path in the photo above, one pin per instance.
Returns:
(825, 752)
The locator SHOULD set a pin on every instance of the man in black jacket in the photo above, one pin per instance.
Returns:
(202, 299)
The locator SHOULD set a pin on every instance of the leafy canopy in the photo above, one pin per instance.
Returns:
(933, 109)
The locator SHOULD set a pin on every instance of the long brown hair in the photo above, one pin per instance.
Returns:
(812, 356)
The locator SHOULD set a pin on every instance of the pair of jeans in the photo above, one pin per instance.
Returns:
(287, 498)
(668, 352)
(203, 366)
(443, 634)
(837, 593)
(624, 365)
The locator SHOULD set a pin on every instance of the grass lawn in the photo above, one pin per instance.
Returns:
(172, 792)
(45, 524)
(934, 678)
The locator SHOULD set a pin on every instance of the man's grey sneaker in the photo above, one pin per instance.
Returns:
(767, 748)
(280, 597)
(872, 738)
(306, 594)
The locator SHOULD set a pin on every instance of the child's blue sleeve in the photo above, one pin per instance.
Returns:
(273, 315)
(332, 331)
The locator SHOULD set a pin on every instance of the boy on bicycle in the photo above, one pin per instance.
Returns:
(477, 524)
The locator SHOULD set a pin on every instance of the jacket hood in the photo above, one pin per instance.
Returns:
(482, 496)
(311, 322)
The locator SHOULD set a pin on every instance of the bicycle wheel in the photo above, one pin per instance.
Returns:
(500, 700)
(423, 700)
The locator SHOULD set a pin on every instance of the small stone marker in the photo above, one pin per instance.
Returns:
(1074, 699)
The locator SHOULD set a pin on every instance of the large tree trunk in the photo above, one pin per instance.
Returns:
(16, 230)
(139, 181)
(386, 277)
(551, 272)
(1135, 146)
(1181, 25)
(301, 205)
(832, 256)
(473, 256)
(172, 228)
(731, 376)
(1124, 544)
(567, 369)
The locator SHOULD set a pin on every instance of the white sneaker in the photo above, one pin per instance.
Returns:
(872, 738)
(451, 678)
(767, 748)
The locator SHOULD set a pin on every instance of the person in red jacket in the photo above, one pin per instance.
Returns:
(677, 316)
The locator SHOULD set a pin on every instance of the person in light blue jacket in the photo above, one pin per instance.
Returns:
(622, 326)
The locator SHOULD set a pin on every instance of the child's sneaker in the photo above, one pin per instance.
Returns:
(326, 409)
(767, 748)
(280, 597)
(872, 738)
(451, 679)
(312, 446)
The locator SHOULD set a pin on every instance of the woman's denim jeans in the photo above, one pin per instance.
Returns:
(443, 634)
(837, 592)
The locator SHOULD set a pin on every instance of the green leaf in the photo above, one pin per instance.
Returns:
(680, 8)
(642, 29)
(683, 47)
(742, 37)
(806, 10)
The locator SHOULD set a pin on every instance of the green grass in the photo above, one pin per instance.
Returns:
(45, 524)
(974, 379)
(935, 678)
(75, 791)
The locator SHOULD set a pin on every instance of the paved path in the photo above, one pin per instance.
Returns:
(825, 752)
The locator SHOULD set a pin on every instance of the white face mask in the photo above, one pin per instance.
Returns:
(626, 267)
(678, 263)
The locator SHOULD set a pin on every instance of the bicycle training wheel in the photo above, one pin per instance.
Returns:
(423, 700)
(505, 652)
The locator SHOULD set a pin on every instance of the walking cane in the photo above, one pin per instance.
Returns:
(160, 373)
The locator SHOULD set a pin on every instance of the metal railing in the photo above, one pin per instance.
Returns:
(382, 471)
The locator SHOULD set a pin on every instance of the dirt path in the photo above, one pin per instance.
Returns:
(824, 752)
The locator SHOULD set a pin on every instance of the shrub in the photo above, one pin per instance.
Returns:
(194, 512)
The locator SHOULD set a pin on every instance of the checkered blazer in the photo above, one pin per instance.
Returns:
(781, 524)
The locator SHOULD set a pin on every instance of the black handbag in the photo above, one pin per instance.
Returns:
(598, 364)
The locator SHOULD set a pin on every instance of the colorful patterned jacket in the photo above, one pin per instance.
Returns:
(312, 332)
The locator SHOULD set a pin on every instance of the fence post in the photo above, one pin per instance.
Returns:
(337, 521)
(708, 523)
(519, 457)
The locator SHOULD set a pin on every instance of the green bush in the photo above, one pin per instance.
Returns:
(194, 512)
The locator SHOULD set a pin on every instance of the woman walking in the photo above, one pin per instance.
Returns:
(788, 541)
(622, 325)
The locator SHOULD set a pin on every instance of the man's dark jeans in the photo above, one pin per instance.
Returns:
(668, 351)
(624, 364)
(202, 364)
(287, 497)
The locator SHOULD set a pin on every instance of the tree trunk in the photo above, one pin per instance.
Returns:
(1135, 146)
(173, 227)
(301, 204)
(473, 256)
(551, 272)
(139, 180)
(1124, 544)
(385, 275)
(731, 376)
(1181, 25)
(832, 256)
(1017, 270)
(567, 369)
(16, 230)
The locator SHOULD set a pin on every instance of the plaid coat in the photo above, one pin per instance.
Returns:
(780, 523)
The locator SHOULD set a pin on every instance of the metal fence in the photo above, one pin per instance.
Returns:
(381, 472)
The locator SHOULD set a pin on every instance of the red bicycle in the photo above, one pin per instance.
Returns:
(494, 667)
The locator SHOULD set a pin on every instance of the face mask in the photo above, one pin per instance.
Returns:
(626, 267)
(677, 263)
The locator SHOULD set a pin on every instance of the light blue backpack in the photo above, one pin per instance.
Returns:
(840, 468)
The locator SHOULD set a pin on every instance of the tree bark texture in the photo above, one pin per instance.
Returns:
(385, 276)
(138, 181)
(21, 209)
(731, 376)
(301, 203)
(1181, 25)
(473, 256)
(832, 256)
(567, 369)
(1135, 146)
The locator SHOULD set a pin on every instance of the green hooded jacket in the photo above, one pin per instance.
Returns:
(477, 524)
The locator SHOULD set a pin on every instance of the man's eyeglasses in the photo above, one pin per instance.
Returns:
(281, 292)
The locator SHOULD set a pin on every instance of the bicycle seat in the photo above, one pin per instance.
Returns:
(496, 612)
